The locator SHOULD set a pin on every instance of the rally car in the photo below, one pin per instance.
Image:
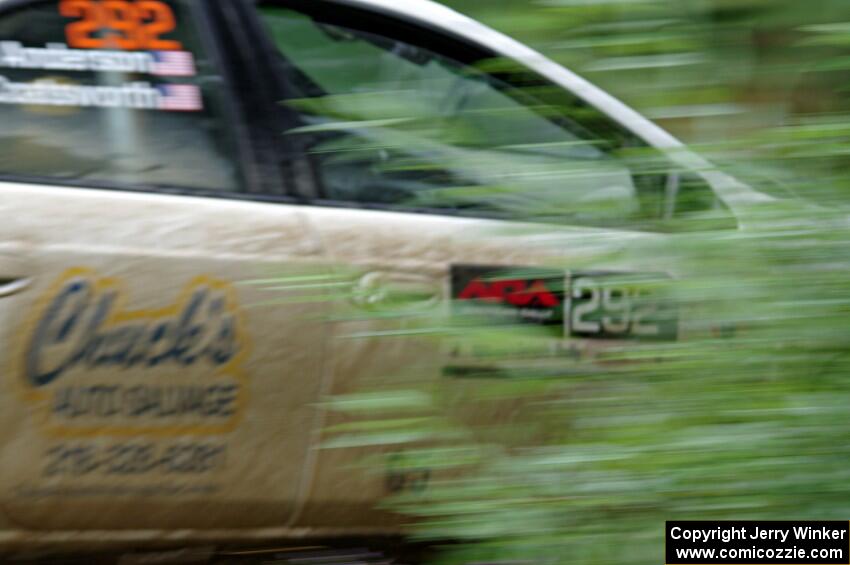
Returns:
(188, 184)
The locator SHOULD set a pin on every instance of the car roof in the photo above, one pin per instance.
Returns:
(440, 17)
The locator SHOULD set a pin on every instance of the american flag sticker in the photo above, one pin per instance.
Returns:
(180, 98)
(173, 63)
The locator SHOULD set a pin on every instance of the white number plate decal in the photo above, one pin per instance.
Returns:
(620, 306)
(603, 305)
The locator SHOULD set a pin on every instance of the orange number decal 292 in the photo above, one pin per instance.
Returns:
(123, 24)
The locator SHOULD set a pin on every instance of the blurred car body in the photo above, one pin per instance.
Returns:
(162, 158)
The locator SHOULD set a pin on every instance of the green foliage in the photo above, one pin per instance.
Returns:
(747, 416)
(746, 419)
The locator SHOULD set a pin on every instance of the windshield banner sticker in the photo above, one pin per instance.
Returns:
(92, 365)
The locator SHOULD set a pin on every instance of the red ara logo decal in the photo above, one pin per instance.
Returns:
(520, 293)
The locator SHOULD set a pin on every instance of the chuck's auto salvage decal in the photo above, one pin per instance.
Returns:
(91, 364)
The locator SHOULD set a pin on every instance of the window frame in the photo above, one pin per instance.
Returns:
(439, 41)
(245, 160)
(442, 42)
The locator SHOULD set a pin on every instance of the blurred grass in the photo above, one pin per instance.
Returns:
(753, 424)
(747, 419)
(753, 83)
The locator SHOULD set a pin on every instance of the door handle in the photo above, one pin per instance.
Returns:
(10, 286)
(402, 290)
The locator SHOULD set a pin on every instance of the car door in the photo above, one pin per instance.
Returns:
(151, 380)
(427, 175)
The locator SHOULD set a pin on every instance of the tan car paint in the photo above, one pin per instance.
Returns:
(151, 252)
(396, 247)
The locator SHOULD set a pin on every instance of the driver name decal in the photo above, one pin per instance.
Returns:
(58, 57)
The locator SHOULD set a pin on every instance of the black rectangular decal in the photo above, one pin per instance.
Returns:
(510, 295)
(595, 305)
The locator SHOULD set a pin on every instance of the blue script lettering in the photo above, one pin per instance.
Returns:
(75, 323)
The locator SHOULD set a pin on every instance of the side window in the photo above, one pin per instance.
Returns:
(392, 123)
(111, 92)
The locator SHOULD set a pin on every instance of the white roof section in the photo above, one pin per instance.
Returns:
(440, 16)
